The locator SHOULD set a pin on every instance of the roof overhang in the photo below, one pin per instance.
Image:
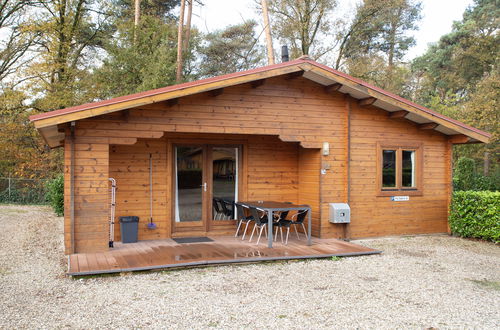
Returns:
(47, 123)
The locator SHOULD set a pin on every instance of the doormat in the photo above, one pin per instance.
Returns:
(181, 240)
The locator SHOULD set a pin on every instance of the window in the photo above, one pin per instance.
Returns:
(399, 169)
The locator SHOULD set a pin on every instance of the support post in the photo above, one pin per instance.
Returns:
(269, 228)
(309, 227)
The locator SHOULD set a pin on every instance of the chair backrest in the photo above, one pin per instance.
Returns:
(241, 211)
(229, 205)
(255, 215)
(223, 207)
(283, 215)
(301, 216)
(216, 205)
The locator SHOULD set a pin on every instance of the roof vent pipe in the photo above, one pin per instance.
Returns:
(284, 54)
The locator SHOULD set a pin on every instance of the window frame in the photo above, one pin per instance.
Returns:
(399, 189)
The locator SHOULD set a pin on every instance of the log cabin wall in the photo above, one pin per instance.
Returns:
(374, 215)
(270, 170)
(284, 123)
(91, 202)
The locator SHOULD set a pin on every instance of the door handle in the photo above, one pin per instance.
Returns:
(204, 185)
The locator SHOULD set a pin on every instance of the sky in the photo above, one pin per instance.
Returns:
(438, 16)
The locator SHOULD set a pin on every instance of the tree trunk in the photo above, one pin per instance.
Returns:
(178, 77)
(486, 166)
(137, 14)
(267, 28)
(188, 26)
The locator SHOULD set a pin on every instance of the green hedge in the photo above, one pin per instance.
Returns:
(476, 214)
(55, 194)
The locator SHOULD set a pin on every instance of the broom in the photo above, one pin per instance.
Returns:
(151, 224)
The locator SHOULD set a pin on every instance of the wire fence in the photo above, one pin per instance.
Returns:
(23, 191)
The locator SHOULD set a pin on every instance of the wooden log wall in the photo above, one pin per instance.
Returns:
(379, 216)
(91, 202)
(284, 123)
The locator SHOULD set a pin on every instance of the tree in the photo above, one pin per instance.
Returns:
(233, 49)
(300, 23)
(15, 43)
(24, 153)
(379, 35)
(461, 58)
(70, 33)
(351, 35)
(461, 70)
(267, 28)
(147, 63)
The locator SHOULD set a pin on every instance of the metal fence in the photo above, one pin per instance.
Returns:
(23, 191)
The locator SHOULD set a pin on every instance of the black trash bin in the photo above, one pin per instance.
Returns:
(128, 229)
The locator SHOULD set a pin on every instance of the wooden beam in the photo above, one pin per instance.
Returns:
(428, 126)
(398, 114)
(257, 83)
(294, 75)
(125, 114)
(333, 88)
(216, 92)
(459, 139)
(366, 102)
(173, 102)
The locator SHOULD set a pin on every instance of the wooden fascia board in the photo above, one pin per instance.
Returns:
(51, 121)
(404, 106)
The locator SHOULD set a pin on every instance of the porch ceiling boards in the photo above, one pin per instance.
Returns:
(163, 254)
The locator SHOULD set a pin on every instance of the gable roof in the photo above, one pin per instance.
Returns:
(47, 122)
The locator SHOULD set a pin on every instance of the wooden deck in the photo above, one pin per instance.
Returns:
(159, 254)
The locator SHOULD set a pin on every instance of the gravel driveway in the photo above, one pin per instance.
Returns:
(418, 282)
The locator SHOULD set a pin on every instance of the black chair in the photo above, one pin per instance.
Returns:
(217, 210)
(281, 223)
(242, 218)
(285, 223)
(261, 223)
(300, 218)
(227, 212)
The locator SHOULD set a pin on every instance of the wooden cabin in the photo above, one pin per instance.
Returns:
(297, 131)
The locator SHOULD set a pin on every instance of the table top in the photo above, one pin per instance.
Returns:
(274, 205)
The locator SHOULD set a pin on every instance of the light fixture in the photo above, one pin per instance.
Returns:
(326, 148)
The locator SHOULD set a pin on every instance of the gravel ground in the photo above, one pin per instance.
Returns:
(418, 283)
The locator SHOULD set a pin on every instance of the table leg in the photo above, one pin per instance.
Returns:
(270, 228)
(309, 225)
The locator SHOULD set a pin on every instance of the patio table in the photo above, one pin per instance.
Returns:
(270, 207)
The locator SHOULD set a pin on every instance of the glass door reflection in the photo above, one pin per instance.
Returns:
(224, 182)
(189, 186)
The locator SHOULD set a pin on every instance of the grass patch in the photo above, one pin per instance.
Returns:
(335, 258)
(494, 285)
(9, 211)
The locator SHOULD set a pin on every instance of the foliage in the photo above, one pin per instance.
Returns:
(461, 58)
(141, 63)
(232, 49)
(55, 194)
(24, 153)
(155, 8)
(466, 177)
(22, 191)
(301, 23)
(476, 214)
(462, 71)
(16, 43)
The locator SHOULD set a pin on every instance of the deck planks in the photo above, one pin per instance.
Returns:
(158, 254)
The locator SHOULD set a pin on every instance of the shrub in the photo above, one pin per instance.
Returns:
(466, 177)
(476, 214)
(55, 194)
